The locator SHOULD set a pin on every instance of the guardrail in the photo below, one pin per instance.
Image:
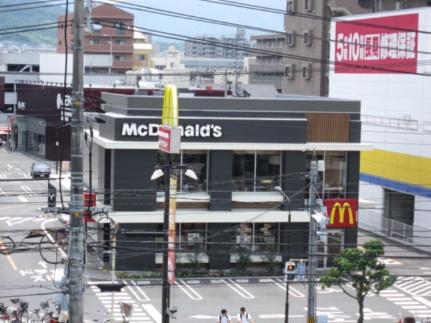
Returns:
(415, 236)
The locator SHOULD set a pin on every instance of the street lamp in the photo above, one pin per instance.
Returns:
(166, 171)
(286, 199)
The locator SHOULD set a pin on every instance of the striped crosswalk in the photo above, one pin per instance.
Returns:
(402, 295)
(142, 310)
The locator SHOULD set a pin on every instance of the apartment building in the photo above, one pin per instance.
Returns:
(208, 46)
(111, 33)
(301, 67)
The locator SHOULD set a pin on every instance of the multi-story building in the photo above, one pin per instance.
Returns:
(240, 150)
(111, 33)
(386, 71)
(209, 46)
(142, 50)
(306, 40)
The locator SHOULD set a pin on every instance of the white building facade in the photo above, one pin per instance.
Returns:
(381, 59)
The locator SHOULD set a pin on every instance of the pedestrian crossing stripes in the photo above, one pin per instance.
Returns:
(141, 312)
(410, 303)
(415, 286)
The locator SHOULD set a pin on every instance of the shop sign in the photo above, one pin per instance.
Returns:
(169, 139)
(152, 130)
(342, 213)
(377, 45)
(67, 106)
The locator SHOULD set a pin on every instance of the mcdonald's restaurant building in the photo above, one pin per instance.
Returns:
(240, 149)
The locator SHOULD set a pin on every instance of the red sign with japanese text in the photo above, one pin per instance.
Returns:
(342, 213)
(377, 45)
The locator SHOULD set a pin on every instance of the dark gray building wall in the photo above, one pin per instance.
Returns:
(353, 163)
(220, 180)
(293, 179)
(132, 188)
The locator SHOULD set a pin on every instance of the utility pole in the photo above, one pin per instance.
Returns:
(75, 266)
(312, 245)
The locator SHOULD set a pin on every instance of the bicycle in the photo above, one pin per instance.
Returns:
(7, 245)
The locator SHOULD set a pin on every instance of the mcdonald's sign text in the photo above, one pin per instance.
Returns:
(342, 213)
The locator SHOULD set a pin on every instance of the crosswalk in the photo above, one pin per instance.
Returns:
(408, 301)
(415, 286)
(142, 311)
(17, 220)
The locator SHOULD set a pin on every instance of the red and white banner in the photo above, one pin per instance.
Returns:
(377, 45)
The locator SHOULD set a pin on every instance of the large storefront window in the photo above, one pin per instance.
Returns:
(335, 174)
(243, 170)
(332, 181)
(267, 170)
(257, 237)
(192, 237)
(256, 171)
(196, 160)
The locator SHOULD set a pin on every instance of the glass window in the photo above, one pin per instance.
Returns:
(335, 174)
(267, 170)
(119, 28)
(243, 170)
(197, 161)
(191, 236)
(244, 236)
(266, 237)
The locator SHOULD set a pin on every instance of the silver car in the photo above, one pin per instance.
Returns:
(40, 169)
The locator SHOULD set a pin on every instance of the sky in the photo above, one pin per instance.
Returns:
(207, 10)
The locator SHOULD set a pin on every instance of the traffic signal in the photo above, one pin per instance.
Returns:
(290, 270)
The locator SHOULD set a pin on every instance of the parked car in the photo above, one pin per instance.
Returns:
(40, 169)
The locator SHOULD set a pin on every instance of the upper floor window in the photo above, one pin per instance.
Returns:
(308, 5)
(120, 42)
(119, 28)
(291, 6)
(256, 170)
(308, 38)
(291, 39)
(94, 41)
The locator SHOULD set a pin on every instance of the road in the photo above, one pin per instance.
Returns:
(25, 273)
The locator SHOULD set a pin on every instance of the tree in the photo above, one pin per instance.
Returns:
(361, 267)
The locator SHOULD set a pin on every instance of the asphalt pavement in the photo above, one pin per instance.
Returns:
(24, 274)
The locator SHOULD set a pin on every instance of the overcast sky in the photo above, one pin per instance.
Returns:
(208, 10)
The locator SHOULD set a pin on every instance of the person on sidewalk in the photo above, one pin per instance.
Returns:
(244, 316)
(223, 317)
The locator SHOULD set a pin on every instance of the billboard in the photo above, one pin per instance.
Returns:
(379, 45)
(342, 213)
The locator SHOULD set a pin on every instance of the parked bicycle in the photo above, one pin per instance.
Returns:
(7, 245)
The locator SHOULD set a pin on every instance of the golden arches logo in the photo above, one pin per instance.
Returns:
(341, 212)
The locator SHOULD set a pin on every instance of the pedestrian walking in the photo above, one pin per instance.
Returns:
(244, 316)
(223, 317)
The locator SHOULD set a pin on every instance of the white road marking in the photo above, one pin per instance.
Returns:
(138, 297)
(146, 298)
(238, 289)
(389, 261)
(152, 311)
(18, 220)
(415, 286)
(292, 291)
(192, 290)
(50, 238)
(189, 294)
(22, 199)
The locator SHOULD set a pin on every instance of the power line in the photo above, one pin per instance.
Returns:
(310, 16)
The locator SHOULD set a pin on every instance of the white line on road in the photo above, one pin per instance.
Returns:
(50, 238)
(238, 289)
(151, 310)
(22, 199)
(292, 290)
(189, 294)
(192, 290)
